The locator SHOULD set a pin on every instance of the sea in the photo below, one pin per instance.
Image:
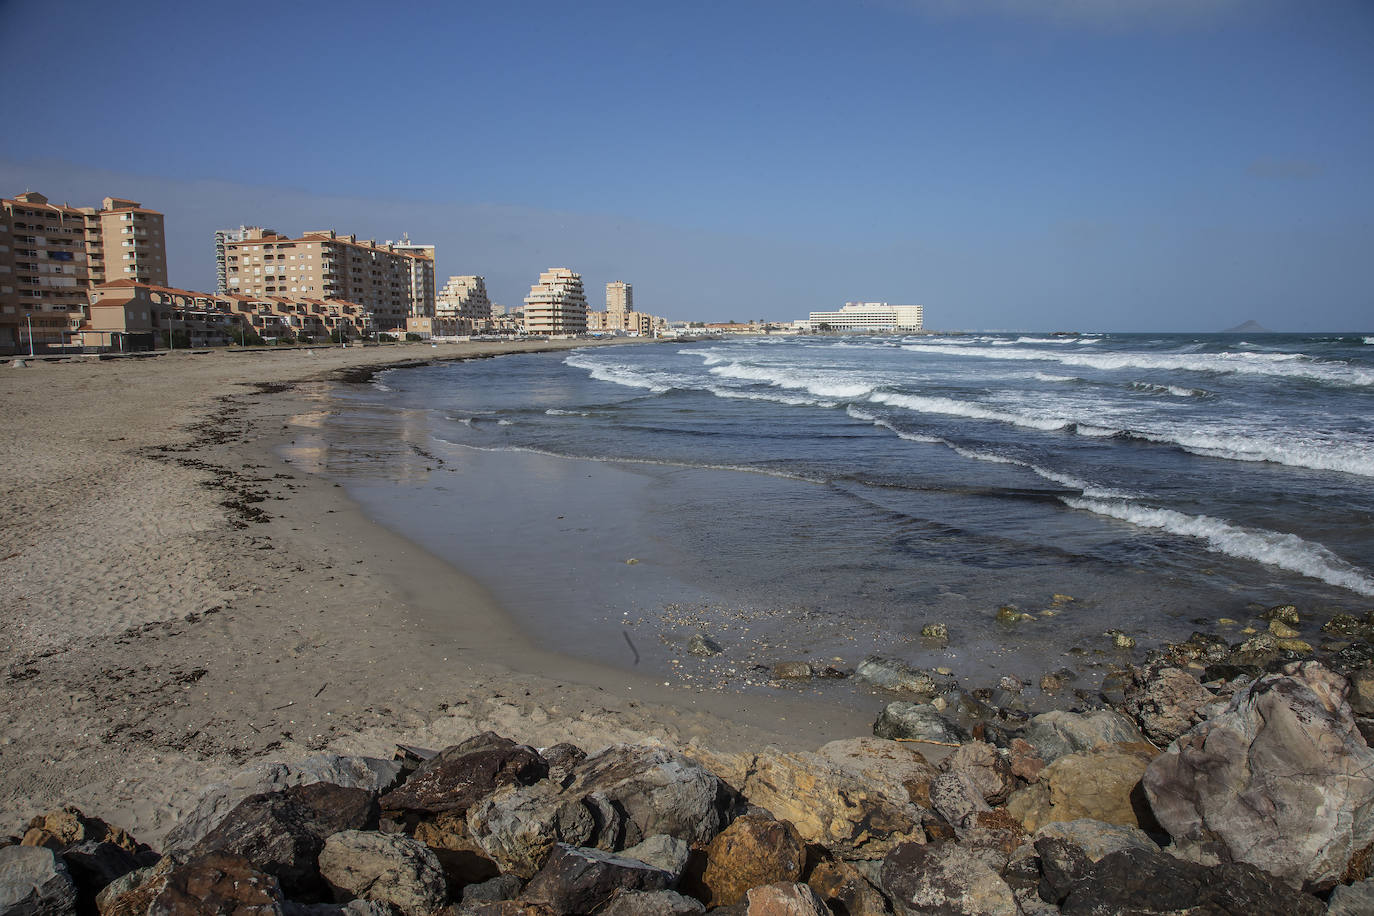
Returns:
(823, 498)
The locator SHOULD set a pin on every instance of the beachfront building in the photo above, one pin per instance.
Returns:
(464, 301)
(222, 238)
(620, 297)
(380, 277)
(51, 255)
(557, 304)
(128, 316)
(421, 275)
(869, 316)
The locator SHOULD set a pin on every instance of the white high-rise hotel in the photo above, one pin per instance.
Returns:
(557, 304)
(870, 316)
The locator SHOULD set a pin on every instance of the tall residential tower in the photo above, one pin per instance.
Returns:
(557, 304)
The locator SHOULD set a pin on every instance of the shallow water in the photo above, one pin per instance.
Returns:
(822, 498)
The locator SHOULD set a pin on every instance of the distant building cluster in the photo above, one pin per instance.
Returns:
(95, 278)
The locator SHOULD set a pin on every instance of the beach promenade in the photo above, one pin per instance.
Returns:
(177, 600)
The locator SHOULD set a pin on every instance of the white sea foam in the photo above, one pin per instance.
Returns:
(556, 412)
(1369, 340)
(1174, 390)
(1289, 365)
(821, 383)
(621, 374)
(1318, 453)
(1047, 377)
(951, 407)
(1286, 551)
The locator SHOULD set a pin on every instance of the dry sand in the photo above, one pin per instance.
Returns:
(175, 601)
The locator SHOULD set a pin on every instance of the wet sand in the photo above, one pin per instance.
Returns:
(178, 599)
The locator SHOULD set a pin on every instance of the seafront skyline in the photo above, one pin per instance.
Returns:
(1140, 165)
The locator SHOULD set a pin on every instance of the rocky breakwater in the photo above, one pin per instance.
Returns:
(1237, 797)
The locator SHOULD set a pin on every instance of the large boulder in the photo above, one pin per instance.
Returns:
(958, 800)
(282, 833)
(94, 866)
(944, 880)
(753, 851)
(988, 768)
(1098, 838)
(892, 674)
(578, 880)
(832, 803)
(609, 801)
(896, 769)
(1352, 899)
(845, 889)
(1145, 883)
(458, 777)
(1058, 733)
(518, 827)
(384, 868)
(1166, 702)
(35, 882)
(785, 899)
(222, 884)
(370, 773)
(918, 722)
(1102, 784)
(66, 827)
(651, 903)
(1281, 779)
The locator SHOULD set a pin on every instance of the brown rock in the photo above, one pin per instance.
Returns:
(462, 775)
(464, 860)
(828, 803)
(218, 883)
(845, 890)
(1026, 762)
(785, 899)
(67, 826)
(753, 851)
(898, 770)
(1166, 702)
(579, 880)
(1102, 784)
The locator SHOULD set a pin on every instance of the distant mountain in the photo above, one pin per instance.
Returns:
(1250, 327)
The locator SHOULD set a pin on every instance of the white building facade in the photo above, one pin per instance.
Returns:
(870, 316)
(557, 304)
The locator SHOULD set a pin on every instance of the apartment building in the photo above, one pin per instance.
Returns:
(128, 316)
(222, 237)
(422, 278)
(378, 276)
(464, 299)
(557, 304)
(620, 297)
(51, 255)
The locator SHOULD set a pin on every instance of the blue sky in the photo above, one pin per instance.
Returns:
(1064, 164)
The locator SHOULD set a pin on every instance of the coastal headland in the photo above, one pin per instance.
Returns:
(177, 600)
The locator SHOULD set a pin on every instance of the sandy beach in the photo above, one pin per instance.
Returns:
(177, 600)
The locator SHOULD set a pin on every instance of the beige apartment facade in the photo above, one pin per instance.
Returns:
(557, 304)
(620, 297)
(464, 300)
(51, 255)
(325, 265)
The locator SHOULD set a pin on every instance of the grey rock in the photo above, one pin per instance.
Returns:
(94, 865)
(384, 868)
(704, 646)
(917, 722)
(896, 675)
(1352, 899)
(282, 833)
(1166, 702)
(519, 826)
(957, 799)
(579, 880)
(651, 903)
(1281, 779)
(502, 887)
(793, 671)
(661, 851)
(34, 882)
(943, 879)
(1097, 838)
(989, 768)
(1058, 733)
(370, 773)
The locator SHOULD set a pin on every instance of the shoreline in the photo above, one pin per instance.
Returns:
(179, 600)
